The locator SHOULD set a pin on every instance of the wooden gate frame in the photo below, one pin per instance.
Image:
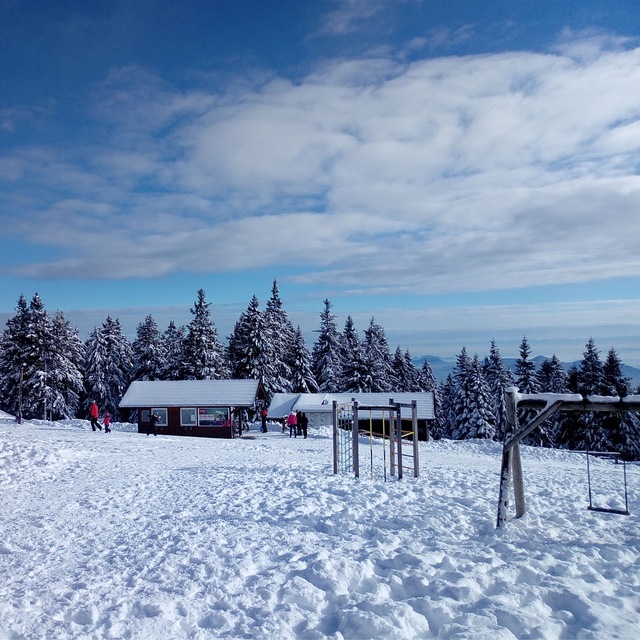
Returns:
(548, 404)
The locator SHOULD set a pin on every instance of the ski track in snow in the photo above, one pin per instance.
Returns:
(132, 536)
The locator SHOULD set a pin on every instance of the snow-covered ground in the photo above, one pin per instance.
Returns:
(132, 536)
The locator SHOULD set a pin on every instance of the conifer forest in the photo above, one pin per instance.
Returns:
(48, 372)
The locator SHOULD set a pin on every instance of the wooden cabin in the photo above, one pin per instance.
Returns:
(318, 408)
(200, 408)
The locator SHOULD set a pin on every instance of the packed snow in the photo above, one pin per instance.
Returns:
(124, 535)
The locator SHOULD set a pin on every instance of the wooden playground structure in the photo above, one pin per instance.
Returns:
(547, 404)
(353, 421)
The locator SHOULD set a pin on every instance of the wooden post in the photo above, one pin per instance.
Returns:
(507, 459)
(336, 434)
(398, 434)
(416, 448)
(518, 481)
(354, 434)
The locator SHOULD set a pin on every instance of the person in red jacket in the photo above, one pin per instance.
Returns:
(94, 412)
(292, 421)
(106, 421)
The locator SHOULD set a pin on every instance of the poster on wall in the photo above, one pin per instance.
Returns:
(213, 417)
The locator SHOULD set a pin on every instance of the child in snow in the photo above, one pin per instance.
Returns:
(106, 421)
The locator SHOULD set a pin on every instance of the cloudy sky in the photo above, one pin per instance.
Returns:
(458, 170)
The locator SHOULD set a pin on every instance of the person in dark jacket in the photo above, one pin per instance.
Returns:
(153, 422)
(303, 423)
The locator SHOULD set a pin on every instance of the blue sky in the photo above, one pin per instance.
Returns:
(458, 170)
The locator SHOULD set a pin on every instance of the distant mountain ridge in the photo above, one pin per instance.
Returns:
(442, 367)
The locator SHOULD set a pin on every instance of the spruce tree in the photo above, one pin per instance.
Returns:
(401, 374)
(149, 352)
(447, 410)
(24, 361)
(405, 375)
(525, 376)
(586, 431)
(378, 359)
(248, 353)
(474, 418)
(415, 376)
(354, 369)
(303, 380)
(552, 378)
(326, 353)
(65, 373)
(108, 363)
(279, 335)
(203, 357)
(459, 395)
(430, 383)
(623, 429)
(13, 358)
(499, 378)
(173, 340)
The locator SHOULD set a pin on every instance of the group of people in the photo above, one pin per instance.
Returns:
(94, 414)
(298, 423)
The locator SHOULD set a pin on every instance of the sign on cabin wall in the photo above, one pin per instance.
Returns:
(213, 417)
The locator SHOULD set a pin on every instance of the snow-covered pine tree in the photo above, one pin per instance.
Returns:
(447, 408)
(378, 359)
(173, 340)
(149, 352)
(430, 383)
(13, 356)
(65, 371)
(623, 429)
(416, 382)
(406, 376)
(203, 357)
(108, 363)
(279, 337)
(499, 378)
(614, 382)
(474, 417)
(552, 378)
(586, 430)
(302, 380)
(525, 369)
(24, 360)
(401, 375)
(248, 351)
(458, 399)
(326, 353)
(525, 380)
(354, 369)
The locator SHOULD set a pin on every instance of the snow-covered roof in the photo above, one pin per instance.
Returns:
(283, 403)
(187, 393)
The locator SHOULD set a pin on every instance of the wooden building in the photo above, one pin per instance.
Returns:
(202, 408)
(318, 408)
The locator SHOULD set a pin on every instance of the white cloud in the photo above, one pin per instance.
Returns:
(447, 174)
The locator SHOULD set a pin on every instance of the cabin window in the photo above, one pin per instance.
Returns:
(213, 416)
(188, 417)
(162, 416)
